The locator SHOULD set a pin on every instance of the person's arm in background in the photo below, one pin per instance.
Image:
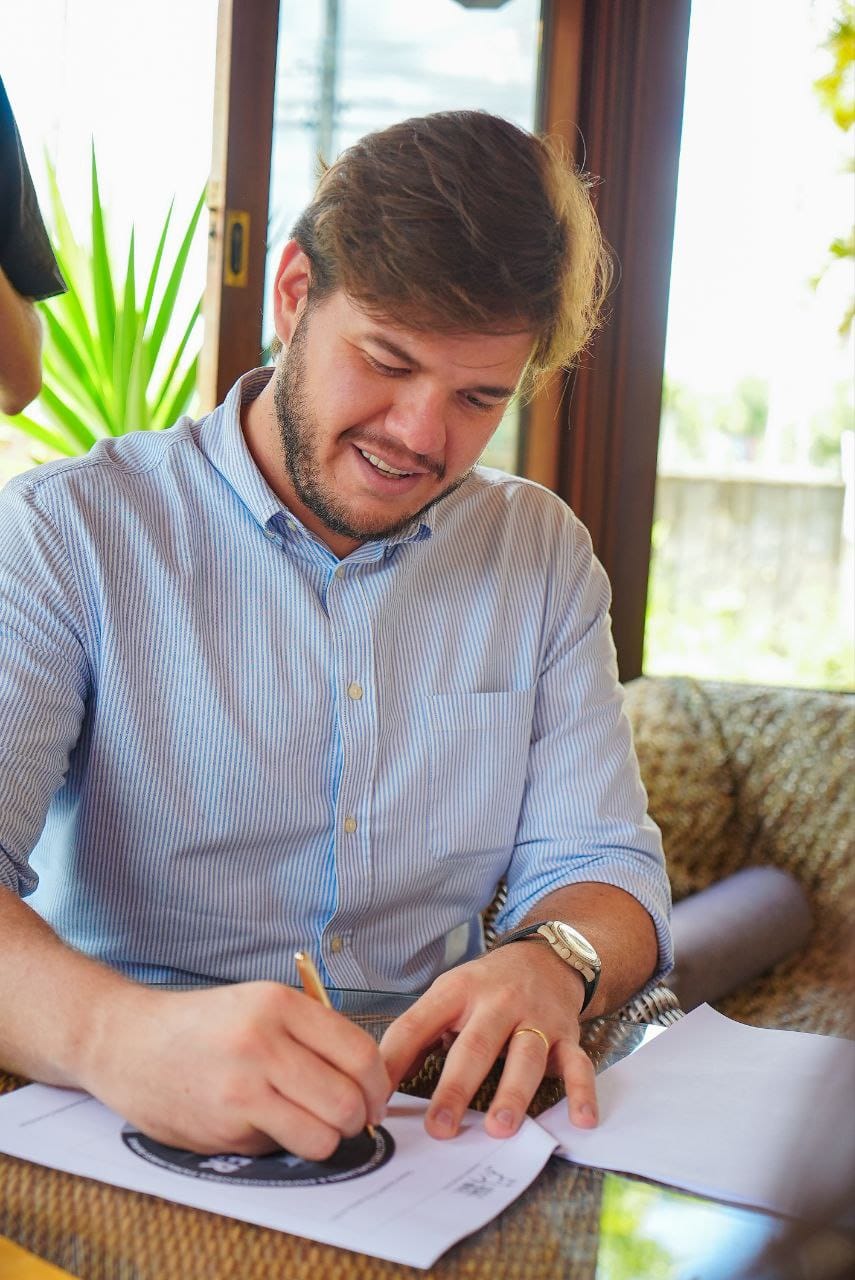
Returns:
(20, 349)
(28, 270)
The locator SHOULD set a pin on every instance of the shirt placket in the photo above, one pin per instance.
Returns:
(353, 673)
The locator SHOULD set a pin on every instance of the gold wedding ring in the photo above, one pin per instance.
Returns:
(536, 1030)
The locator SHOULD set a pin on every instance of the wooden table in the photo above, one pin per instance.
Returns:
(572, 1222)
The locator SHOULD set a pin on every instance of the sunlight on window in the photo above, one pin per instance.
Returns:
(752, 559)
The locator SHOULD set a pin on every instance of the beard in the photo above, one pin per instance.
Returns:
(298, 433)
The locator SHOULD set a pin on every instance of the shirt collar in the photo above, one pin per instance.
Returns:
(222, 442)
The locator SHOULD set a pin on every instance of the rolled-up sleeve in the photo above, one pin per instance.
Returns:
(44, 673)
(584, 811)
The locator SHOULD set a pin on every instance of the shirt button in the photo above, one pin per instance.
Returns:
(350, 824)
(339, 573)
(354, 691)
(270, 535)
(336, 945)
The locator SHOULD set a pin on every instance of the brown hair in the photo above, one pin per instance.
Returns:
(462, 222)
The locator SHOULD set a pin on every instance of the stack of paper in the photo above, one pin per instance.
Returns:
(757, 1117)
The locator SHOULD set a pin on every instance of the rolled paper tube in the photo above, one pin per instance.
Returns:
(734, 931)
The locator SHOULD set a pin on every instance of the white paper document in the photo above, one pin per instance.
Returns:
(757, 1117)
(402, 1196)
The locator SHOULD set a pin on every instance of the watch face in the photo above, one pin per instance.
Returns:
(577, 943)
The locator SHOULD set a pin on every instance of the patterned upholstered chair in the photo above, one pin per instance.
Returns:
(739, 776)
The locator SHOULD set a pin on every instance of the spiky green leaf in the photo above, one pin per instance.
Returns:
(127, 330)
(73, 366)
(51, 439)
(74, 263)
(155, 268)
(102, 276)
(179, 402)
(78, 322)
(65, 416)
(166, 384)
(138, 415)
(170, 293)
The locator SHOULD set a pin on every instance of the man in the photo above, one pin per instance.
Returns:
(298, 676)
(27, 270)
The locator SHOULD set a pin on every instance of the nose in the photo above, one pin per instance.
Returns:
(416, 419)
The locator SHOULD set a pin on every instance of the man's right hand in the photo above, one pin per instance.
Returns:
(243, 1068)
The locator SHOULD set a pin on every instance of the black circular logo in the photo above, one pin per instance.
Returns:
(353, 1158)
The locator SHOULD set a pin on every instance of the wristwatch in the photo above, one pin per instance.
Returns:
(569, 944)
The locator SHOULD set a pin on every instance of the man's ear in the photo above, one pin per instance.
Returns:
(290, 291)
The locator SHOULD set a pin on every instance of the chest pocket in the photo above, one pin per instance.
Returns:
(478, 759)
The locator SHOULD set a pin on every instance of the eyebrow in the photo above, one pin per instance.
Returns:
(496, 393)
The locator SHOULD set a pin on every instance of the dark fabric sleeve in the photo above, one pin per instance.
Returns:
(25, 252)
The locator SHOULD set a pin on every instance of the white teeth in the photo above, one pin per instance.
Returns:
(383, 466)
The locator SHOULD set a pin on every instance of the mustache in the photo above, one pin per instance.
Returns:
(391, 450)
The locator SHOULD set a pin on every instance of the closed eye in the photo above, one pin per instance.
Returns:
(386, 370)
(470, 398)
(483, 406)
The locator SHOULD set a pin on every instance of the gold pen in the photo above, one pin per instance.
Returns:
(314, 988)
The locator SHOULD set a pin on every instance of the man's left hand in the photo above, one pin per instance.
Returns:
(493, 1006)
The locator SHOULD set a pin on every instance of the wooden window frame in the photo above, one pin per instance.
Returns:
(238, 193)
(615, 77)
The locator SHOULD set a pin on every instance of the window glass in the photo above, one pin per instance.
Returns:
(347, 67)
(752, 566)
(137, 81)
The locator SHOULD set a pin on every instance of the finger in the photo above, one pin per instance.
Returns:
(268, 1122)
(346, 1048)
(468, 1062)
(578, 1072)
(525, 1065)
(299, 1076)
(291, 1127)
(415, 1031)
(421, 1058)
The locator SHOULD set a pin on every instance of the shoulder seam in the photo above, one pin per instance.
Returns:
(38, 480)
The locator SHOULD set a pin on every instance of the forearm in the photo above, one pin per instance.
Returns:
(51, 999)
(617, 925)
(20, 349)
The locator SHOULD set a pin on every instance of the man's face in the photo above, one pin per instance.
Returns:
(377, 422)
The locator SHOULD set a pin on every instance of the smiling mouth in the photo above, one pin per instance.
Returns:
(383, 466)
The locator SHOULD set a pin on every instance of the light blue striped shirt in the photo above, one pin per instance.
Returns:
(221, 744)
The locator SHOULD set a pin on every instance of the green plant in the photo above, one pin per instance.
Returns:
(108, 368)
(835, 92)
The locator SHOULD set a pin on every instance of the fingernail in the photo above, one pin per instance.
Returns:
(586, 1111)
(443, 1119)
(378, 1115)
(505, 1118)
